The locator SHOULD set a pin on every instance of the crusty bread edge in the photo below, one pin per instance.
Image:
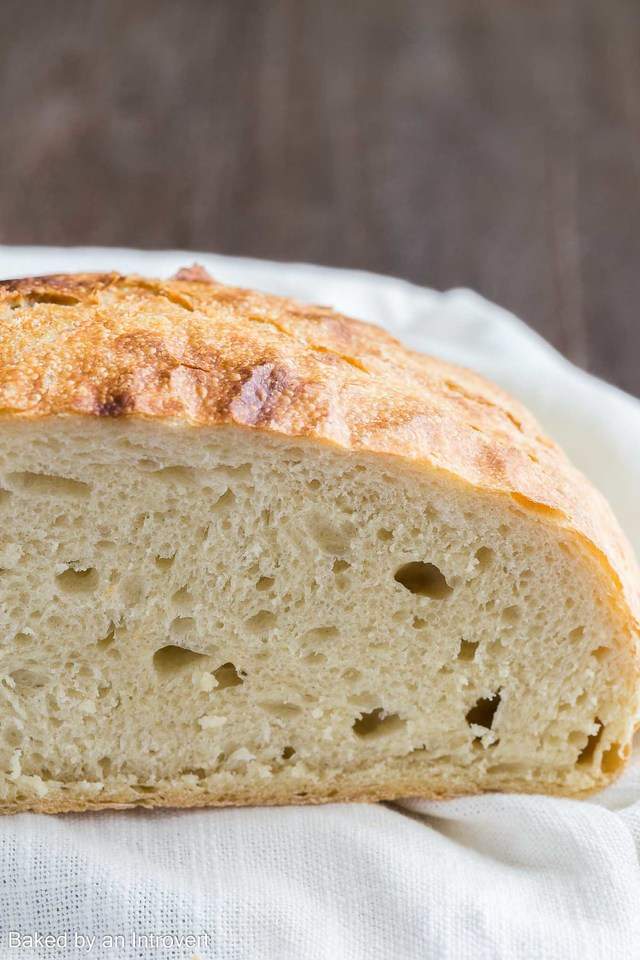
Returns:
(409, 788)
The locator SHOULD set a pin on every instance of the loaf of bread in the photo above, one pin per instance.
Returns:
(255, 552)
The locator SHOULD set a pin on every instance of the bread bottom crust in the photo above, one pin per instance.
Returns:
(343, 791)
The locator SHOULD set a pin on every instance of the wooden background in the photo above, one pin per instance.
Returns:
(489, 143)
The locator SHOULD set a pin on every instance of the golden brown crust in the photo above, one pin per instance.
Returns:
(193, 350)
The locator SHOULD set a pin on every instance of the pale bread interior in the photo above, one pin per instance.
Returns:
(195, 615)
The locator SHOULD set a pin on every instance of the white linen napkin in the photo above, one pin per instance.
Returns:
(483, 878)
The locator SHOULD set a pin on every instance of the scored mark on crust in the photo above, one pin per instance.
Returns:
(352, 361)
(160, 290)
(315, 347)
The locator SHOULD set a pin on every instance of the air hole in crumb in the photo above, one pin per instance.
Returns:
(28, 679)
(182, 627)
(173, 659)
(314, 657)
(379, 644)
(351, 674)
(281, 709)
(139, 521)
(265, 583)
(339, 566)
(105, 642)
(611, 759)
(77, 581)
(13, 736)
(48, 485)
(483, 712)
(296, 454)
(5, 495)
(484, 556)
(181, 598)
(377, 723)
(601, 653)
(314, 484)
(241, 470)
(175, 474)
(321, 633)
(418, 623)
(345, 505)
(331, 540)
(224, 502)
(423, 579)
(385, 535)
(467, 649)
(227, 676)
(287, 753)
(508, 768)
(511, 614)
(261, 621)
(585, 756)
(150, 466)
(576, 634)
(105, 766)
(105, 545)
(165, 563)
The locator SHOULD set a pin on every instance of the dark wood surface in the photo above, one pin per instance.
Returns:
(489, 143)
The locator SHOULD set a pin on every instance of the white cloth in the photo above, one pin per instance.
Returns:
(485, 878)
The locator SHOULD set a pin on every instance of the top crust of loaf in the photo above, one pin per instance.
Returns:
(196, 351)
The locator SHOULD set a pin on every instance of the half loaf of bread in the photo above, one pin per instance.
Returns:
(256, 552)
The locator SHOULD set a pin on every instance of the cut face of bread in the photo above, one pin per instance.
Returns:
(220, 586)
(197, 616)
